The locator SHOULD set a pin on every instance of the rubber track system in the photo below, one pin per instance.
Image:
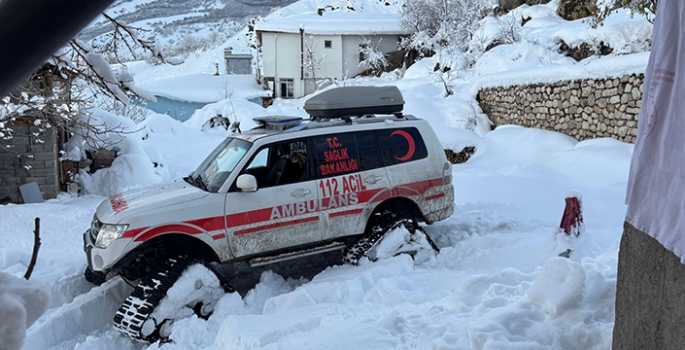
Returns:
(140, 305)
(384, 223)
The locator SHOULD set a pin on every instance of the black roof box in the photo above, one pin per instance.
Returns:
(355, 101)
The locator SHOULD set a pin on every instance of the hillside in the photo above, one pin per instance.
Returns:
(184, 17)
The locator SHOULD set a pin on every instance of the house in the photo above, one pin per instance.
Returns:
(237, 63)
(179, 97)
(300, 51)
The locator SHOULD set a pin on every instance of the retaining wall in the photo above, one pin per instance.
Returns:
(583, 109)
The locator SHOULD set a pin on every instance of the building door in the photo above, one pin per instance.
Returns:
(287, 88)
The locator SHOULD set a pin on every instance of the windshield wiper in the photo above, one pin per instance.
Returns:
(197, 182)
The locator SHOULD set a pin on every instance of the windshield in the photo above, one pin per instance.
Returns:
(214, 170)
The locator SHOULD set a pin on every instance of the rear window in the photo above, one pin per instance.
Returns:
(401, 145)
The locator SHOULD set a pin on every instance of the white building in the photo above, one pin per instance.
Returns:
(297, 51)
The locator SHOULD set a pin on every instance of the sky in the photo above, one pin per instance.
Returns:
(498, 281)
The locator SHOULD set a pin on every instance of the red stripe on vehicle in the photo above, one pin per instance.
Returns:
(250, 217)
(264, 215)
(218, 237)
(383, 196)
(280, 224)
(209, 224)
(423, 186)
(365, 196)
(167, 229)
(347, 212)
(133, 233)
(404, 191)
(437, 196)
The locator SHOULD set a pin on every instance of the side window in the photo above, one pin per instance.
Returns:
(280, 164)
(401, 145)
(259, 161)
(336, 154)
(367, 148)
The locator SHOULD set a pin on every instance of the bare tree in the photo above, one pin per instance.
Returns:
(603, 8)
(72, 82)
(312, 62)
(438, 24)
(371, 57)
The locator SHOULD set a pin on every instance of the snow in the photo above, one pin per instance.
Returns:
(498, 281)
(130, 169)
(196, 284)
(335, 23)
(22, 302)
(237, 109)
(207, 88)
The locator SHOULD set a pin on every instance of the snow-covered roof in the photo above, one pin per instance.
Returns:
(207, 88)
(335, 23)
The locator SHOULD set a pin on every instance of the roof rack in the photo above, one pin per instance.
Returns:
(355, 101)
(278, 123)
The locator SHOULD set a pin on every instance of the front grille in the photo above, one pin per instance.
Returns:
(94, 228)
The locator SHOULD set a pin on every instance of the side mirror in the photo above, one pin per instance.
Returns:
(247, 183)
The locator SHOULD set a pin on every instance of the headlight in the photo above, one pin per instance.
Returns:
(108, 233)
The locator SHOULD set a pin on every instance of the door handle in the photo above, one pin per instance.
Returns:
(372, 179)
(300, 192)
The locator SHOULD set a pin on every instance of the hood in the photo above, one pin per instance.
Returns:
(118, 207)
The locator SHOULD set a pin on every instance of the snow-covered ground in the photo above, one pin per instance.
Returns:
(498, 282)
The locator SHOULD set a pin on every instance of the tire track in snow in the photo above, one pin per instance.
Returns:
(66, 289)
(86, 313)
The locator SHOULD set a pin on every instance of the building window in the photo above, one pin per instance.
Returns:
(328, 44)
(287, 88)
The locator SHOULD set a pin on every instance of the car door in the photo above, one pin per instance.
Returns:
(282, 213)
(350, 177)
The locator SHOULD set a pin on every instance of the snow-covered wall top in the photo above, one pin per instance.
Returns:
(207, 88)
(607, 67)
(335, 23)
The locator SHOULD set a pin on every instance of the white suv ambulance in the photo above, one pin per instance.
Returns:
(286, 189)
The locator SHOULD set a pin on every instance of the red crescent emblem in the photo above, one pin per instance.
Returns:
(410, 141)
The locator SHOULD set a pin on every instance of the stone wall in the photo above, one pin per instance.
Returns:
(583, 109)
(30, 157)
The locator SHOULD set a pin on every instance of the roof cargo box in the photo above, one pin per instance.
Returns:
(355, 101)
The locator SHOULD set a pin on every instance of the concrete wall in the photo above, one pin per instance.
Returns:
(583, 109)
(282, 59)
(29, 159)
(650, 298)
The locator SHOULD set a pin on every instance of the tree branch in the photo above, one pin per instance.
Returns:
(131, 31)
(36, 247)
